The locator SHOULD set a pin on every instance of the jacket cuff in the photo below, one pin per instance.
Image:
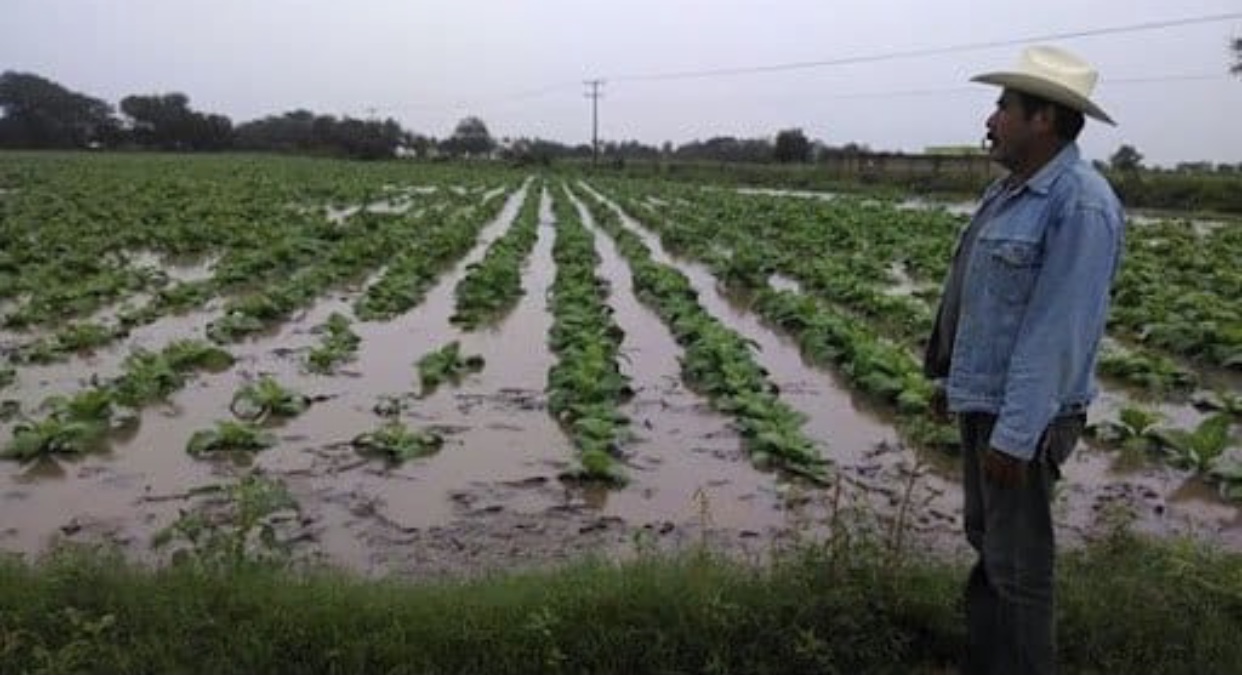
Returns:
(1012, 442)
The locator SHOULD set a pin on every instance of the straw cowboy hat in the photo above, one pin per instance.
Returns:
(1054, 74)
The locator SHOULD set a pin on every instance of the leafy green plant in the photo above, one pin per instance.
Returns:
(1196, 449)
(1222, 401)
(153, 376)
(718, 362)
(337, 346)
(1133, 430)
(73, 426)
(240, 530)
(230, 437)
(446, 364)
(8, 375)
(54, 436)
(494, 284)
(187, 355)
(1152, 372)
(396, 443)
(266, 398)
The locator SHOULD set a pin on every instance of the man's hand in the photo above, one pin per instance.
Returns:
(1003, 470)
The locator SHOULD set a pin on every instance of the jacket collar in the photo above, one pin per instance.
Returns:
(1043, 179)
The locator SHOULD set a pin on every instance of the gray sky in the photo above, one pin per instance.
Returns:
(520, 65)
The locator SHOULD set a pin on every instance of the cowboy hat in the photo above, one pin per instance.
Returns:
(1054, 74)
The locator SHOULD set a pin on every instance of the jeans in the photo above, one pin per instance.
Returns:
(1009, 594)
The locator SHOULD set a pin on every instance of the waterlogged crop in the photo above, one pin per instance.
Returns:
(230, 436)
(73, 426)
(718, 362)
(266, 399)
(396, 443)
(586, 384)
(493, 285)
(1134, 429)
(152, 376)
(420, 261)
(1152, 372)
(446, 364)
(338, 345)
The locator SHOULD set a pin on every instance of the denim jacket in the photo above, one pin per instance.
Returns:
(1034, 301)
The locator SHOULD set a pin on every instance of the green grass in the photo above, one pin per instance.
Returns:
(1126, 605)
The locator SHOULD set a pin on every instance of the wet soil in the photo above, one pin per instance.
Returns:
(491, 498)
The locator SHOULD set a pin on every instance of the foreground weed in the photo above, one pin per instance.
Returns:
(236, 527)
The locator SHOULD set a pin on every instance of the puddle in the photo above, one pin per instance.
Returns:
(1093, 485)
(966, 209)
(804, 194)
(902, 283)
(685, 456)
(862, 445)
(339, 215)
(177, 268)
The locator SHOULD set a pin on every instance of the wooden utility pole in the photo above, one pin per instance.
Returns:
(594, 95)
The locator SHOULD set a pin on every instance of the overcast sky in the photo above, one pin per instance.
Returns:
(520, 65)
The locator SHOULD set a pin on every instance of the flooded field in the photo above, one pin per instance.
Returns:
(504, 487)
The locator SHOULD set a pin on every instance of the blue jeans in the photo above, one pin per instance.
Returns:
(1009, 594)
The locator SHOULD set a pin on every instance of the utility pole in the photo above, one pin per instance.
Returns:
(594, 95)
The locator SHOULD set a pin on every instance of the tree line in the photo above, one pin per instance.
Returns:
(37, 113)
(40, 113)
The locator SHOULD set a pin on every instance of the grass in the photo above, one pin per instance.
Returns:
(1126, 605)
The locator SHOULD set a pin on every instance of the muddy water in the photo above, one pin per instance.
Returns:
(491, 497)
(685, 458)
(862, 445)
(1162, 500)
(105, 495)
(804, 194)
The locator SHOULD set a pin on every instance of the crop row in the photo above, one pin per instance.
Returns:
(718, 363)
(586, 385)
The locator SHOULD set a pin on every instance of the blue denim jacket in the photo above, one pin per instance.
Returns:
(1034, 300)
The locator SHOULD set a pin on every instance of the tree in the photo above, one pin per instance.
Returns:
(1236, 68)
(792, 146)
(469, 138)
(727, 149)
(304, 131)
(166, 121)
(39, 113)
(1126, 159)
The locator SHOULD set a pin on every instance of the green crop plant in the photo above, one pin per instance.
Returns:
(230, 436)
(446, 364)
(267, 399)
(1196, 449)
(396, 443)
(1134, 430)
(338, 344)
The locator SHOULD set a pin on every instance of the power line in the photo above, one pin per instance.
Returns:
(931, 51)
(868, 58)
(901, 93)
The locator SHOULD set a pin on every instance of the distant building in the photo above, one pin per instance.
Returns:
(961, 161)
(955, 150)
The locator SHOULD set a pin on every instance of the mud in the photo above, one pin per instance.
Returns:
(491, 498)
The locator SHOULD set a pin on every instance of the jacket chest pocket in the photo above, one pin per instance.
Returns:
(1010, 267)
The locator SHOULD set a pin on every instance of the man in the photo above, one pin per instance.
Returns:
(1014, 347)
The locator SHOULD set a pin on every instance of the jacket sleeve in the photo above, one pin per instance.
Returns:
(1061, 327)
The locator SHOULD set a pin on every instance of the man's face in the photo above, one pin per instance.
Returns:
(1010, 134)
